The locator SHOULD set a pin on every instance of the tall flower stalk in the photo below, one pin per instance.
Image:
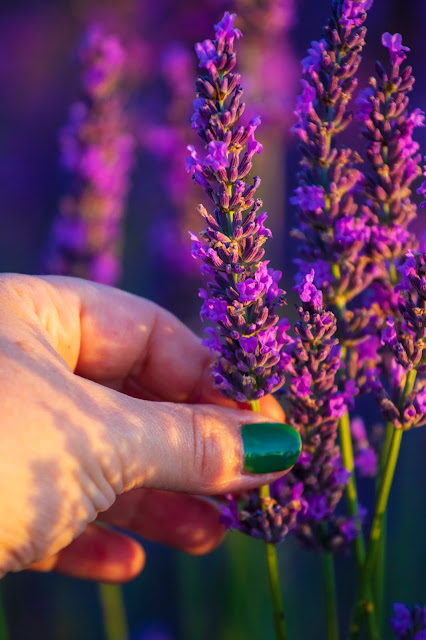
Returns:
(355, 250)
(403, 405)
(393, 165)
(332, 230)
(97, 154)
(243, 295)
(353, 307)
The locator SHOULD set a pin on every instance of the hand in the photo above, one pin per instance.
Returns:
(104, 394)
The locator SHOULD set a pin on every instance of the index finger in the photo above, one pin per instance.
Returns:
(106, 334)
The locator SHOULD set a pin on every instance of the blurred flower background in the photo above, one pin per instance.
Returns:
(225, 595)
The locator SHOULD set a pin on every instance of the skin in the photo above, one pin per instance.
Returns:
(109, 417)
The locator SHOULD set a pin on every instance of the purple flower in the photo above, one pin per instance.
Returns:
(353, 12)
(308, 291)
(213, 343)
(314, 360)
(306, 98)
(102, 57)
(421, 400)
(364, 104)
(242, 295)
(264, 231)
(97, 153)
(249, 345)
(207, 54)
(405, 338)
(388, 128)
(309, 198)
(225, 30)
(366, 462)
(401, 623)
(406, 269)
(217, 157)
(302, 385)
(358, 431)
(318, 508)
(213, 309)
(395, 46)
(337, 406)
(313, 59)
(331, 229)
(350, 530)
(389, 334)
(340, 474)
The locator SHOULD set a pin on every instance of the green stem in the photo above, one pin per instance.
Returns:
(351, 490)
(385, 485)
(378, 578)
(330, 595)
(365, 601)
(380, 567)
(272, 565)
(276, 597)
(114, 614)
(4, 634)
(353, 507)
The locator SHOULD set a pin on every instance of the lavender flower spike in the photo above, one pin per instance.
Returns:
(315, 405)
(405, 336)
(392, 155)
(97, 153)
(242, 295)
(331, 230)
(304, 501)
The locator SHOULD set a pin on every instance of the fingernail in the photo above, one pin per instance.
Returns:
(269, 447)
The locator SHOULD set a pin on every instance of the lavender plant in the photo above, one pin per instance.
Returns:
(97, 153)
(331, 229)
(361, 327)
(243, 293)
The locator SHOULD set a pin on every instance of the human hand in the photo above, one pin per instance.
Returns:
(105, 394)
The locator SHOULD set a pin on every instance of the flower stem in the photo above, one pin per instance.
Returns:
(272, 564)
(114, 614)
(330, 595)
(351, 490)
(353, 507)
(380, 567)
(4, 634)
(365, 602)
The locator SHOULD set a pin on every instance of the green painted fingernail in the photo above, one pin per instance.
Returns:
(269, 447)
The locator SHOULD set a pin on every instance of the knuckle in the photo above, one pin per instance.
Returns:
(212, 464)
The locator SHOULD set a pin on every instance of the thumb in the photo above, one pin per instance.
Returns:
(203, 449)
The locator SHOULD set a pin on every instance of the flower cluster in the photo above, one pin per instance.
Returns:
(242, 295)
(391, 153)
(315, 405)
(405, 336)
(333, 233)
(409, 624)
(268, 519)
(304, 500)
(97, 153)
